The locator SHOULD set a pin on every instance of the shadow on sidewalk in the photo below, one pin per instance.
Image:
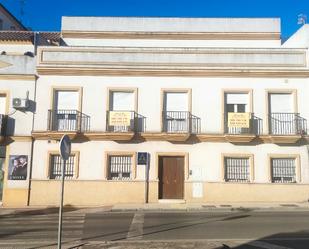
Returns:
(37, 211)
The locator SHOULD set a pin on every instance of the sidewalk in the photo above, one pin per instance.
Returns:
(200, 207)
(158, 207)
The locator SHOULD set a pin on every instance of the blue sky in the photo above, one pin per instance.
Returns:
(46, 15)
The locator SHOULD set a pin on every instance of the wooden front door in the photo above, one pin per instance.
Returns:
(171, 177)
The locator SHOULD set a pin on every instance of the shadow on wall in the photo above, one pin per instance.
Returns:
(10, 126)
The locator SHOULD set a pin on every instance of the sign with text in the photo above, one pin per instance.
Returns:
(238, 120)
(119, 118)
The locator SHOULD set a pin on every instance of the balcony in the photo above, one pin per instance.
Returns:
(68, 121)
(3, 125)
(243, 134)
(287, 127)
(179, 125)
(287, 124)
(181, 122)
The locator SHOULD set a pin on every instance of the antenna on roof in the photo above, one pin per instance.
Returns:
(22, 12)
(301, 19)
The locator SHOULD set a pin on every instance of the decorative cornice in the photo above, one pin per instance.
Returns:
(17, 77)
(93, 71)
(171, 137)
(281, 139)
(171, 35)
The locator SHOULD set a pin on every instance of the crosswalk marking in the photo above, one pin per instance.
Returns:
(136, 229)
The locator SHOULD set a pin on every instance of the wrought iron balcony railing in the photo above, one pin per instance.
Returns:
(68, 120)
(287, 124)
(255, 126)
(3, 124)
(125, 121)
(180, 122)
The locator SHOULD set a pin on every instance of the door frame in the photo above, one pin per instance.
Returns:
(185, 155)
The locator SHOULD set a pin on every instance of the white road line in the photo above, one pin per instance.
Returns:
(264, 245)
(137, 227)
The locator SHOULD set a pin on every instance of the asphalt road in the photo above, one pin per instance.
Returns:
(237, 229)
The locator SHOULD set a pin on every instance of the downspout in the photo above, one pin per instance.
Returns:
(35, 44)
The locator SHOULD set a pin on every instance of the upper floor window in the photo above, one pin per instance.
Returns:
(283, 119)
(121, 101)
(121, 116)
(176, 116)
(1, 24)
(65, 115)
(236, 103)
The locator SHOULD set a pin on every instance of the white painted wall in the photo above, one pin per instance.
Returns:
(207, 156)
(18, 49)
(22, 119)
(207, 97)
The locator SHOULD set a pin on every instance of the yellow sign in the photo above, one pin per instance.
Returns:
(238, 120)
(119, 118)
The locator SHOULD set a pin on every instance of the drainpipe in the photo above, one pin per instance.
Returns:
(35, 44)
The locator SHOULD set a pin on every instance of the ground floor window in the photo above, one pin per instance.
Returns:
(236, 169)
(283, 170)
(120, 167)
(56, 163)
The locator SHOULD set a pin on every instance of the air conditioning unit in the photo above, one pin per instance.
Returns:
(19, 103)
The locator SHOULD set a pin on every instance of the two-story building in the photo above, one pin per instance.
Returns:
(218, 104)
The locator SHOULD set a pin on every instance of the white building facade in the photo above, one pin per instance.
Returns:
(219, 106)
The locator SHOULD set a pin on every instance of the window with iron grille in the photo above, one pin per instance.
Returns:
(283, 170)
(56, 163)
(120, 167)
(236, 169)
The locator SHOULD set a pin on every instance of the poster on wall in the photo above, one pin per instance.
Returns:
(18, 167)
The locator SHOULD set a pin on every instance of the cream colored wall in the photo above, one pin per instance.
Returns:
(219, 193)
(206, 97)
(18, 89)
(94, 193)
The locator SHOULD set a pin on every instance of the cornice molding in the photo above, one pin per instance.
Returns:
(27, 77)
(171, 137)
(171, 35)
(95, 71)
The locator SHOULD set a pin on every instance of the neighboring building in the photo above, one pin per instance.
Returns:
(219, 105)
(17, 107)
(9, 21)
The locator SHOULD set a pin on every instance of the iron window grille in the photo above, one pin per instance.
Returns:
(120, 167)
(283, 170)
(236, 169)
(56, 163)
